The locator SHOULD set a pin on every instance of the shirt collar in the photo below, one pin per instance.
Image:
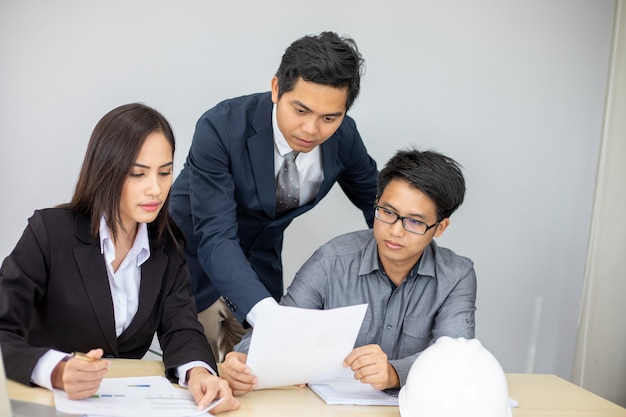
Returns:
(370, 258)
(425, 266)
(279, 140)
(140, 248)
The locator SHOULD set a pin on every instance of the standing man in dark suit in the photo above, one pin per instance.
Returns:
(225, 198)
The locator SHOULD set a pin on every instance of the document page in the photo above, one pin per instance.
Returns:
(133, 397)
(292, 345)
(346, 390)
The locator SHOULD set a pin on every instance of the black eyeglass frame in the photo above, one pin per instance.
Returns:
(402, 219)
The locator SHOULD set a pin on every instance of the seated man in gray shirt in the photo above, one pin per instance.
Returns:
(416, 291)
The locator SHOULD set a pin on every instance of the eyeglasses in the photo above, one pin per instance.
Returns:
(410, 225)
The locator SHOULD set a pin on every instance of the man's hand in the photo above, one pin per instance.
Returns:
(206, 387)
(237, 373)
(80, 377)
(370, 366)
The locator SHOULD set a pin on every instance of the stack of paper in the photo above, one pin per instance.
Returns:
(347, 390)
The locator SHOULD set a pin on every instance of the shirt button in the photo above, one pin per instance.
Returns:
(389, 326)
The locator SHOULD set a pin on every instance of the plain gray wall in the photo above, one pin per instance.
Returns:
(513, 90)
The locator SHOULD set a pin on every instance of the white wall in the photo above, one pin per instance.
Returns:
(513, 90)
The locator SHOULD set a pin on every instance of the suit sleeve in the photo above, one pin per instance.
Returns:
(180, 333)
(214, 215)
(23, 278)
(306, 291)
(358, 181)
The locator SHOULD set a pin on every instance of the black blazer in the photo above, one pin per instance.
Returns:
(54, 293)
(224, 200)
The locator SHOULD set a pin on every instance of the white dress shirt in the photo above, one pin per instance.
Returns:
(125, 281)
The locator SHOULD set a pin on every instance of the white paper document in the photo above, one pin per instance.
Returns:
(133, 397)
(347, 390)
(292, 345)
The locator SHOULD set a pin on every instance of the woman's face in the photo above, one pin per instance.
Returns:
(148, 183)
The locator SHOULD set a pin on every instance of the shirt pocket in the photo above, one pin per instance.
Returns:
(415, 336)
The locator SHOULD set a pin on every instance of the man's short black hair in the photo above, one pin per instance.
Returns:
(326, 59)
(436, 175)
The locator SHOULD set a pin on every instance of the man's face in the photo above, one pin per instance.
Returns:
(309, 114)
(399, 249)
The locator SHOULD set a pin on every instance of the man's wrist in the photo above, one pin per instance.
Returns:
(394, 379)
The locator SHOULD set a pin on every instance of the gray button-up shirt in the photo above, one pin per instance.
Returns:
(437, 298)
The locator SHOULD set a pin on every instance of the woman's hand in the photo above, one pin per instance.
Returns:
(206, 387)
(80, 376)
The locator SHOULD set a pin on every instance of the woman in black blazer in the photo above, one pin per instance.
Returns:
(104, 272)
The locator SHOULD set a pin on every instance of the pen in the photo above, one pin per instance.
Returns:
(84, 357)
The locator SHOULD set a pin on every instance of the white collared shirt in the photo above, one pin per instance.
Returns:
(310, 167)
(125, 282)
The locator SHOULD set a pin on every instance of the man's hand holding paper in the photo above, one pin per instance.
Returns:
(292, 345)
(370, 366)
(237, 373)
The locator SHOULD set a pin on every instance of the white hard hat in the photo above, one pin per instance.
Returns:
(455, 377)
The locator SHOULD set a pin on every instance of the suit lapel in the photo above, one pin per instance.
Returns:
(152, 274)
(92, 270)
(331, 164)
(261, 148)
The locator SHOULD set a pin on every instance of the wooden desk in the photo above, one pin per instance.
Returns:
(550, 396)
(538, 396)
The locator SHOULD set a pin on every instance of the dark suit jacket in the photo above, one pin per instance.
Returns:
(224, 200)
(54, 293)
